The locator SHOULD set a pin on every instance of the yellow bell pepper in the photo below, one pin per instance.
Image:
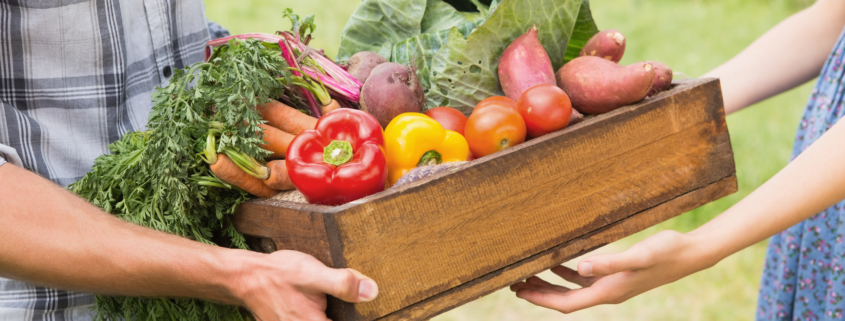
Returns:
(414, 139)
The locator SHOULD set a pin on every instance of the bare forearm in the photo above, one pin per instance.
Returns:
(790, 54)
(811, 183)
(54, 238)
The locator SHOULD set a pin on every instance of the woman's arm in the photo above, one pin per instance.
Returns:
(54, 238)
(814, 181)
(788, 55)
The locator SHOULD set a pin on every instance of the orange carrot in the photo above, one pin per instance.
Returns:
(286, 118)
(331, 106)
(279, 179)
(277, 141)
(226, 170)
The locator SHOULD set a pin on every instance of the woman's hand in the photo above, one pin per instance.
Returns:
(812, 182)
(614, 278)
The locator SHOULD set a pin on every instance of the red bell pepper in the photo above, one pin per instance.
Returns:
(339, 161)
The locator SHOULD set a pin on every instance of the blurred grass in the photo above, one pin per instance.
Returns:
(696, 36)
(692, 36)
(249, 16)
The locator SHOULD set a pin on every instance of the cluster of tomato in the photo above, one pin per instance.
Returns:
(348, 156)
(499, 122)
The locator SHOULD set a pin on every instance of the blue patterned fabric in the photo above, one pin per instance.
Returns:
(803, 276)
(216, 31)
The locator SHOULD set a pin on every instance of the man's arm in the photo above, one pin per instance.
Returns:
(54, 238)
(788, 55)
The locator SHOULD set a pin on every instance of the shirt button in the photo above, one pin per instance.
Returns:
(167, 71)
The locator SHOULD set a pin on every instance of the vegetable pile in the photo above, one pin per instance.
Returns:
(205, 149)
(456, 54)
(159, 179)
(496, 65)
(267, 113)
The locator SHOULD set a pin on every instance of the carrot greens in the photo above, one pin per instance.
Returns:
(158, 178)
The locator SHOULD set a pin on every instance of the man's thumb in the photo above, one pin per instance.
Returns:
(348, 285)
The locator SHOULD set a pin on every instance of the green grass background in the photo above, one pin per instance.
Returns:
(691, 36)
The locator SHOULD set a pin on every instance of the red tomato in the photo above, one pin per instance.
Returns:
(497, 100)
(493, 128)
(545, 108)
(449, 118)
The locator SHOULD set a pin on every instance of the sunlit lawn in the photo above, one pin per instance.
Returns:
(692, 37)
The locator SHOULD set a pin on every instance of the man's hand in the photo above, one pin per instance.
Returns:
(289, 285)
(614, 278)
(103, 254)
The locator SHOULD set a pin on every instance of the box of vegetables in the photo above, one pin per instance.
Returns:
(444, 153)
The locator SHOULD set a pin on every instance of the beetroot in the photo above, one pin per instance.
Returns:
(596, 85)
(362, 63)
(391, 89)
(525, 64)
(608, 44)
(662, 78)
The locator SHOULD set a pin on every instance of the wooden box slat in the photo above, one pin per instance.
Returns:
(557, 255)
(451, 238)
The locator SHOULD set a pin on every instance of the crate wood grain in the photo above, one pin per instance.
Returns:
(449, 239)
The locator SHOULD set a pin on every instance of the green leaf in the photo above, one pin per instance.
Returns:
(439, 16)
(585, 28)
(471, 5)
(302, 26)
(377, 25)
(419, 51)
(466, 70)
(467, 84)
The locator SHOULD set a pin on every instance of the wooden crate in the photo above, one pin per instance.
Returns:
(454, 237)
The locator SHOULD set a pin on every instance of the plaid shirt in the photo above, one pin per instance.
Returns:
(75, 75)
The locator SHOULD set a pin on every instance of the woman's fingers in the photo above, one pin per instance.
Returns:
(566, 302)
(543, 284)
(614, 278)
(537, 284)
(573, 276)
(634, 258)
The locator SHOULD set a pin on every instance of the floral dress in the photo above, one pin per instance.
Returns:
(803, 277)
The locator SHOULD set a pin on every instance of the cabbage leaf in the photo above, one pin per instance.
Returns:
(456, 54)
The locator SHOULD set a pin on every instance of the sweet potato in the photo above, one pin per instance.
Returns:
(596, 85)
(662, 78)
(525, 64)
(608, 44)
(361, 64)
(391, 89)
(575, 118)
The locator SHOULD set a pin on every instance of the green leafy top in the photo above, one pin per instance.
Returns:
(303, 26)
(440, 16)
(465, 71)
(457, 54)
(376, 25)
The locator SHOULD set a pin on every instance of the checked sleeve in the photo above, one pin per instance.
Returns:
(9, 155)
